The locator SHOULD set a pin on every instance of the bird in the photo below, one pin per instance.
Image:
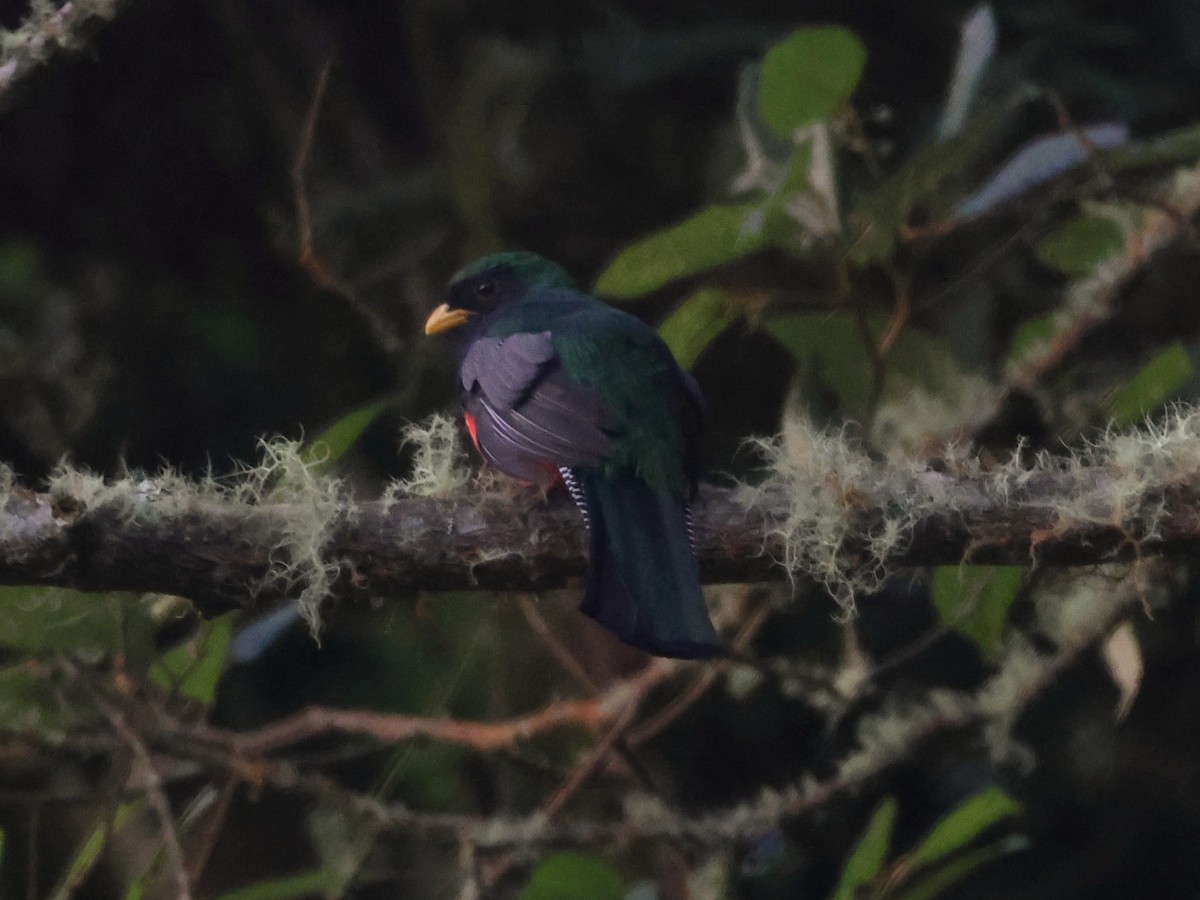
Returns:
(557, 385)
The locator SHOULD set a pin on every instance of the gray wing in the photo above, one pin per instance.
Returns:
(530, 418)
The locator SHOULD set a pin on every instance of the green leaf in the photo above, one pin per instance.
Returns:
(331, 444)
(430, 775)
(870, 852)
(28, 702)
(798, 211)
(231, 336)
(316, 883)
(945, 877)
(573, 876)
(20, 265)
(831, 350)
(193, 668)
(1152, 386)
(42, 619)
(696, 323)
(711, 237)
(808, 76)
(90, 848)
(964, 824)
(1169, 148)
(974, 601)
(1030, 333)
(877, 218)
(1076, 246)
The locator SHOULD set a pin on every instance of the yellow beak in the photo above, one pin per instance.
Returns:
(444, 318)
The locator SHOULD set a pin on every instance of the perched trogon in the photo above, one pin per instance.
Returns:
(558, 385)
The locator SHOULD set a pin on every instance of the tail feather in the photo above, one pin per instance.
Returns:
(643, 581)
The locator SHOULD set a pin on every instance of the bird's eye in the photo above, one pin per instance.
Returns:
(485, 289)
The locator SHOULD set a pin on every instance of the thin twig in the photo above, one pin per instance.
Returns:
(592, 761)
(307, 256)
(701, 685)
(564, 657)
(155, 795)
(391, 728)
(571, 665)
(213, 828)
(900, 316)
(31, 854)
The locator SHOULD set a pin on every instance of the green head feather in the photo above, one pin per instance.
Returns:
(529, 268)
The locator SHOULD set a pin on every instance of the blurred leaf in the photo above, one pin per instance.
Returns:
(20, 265)
(341, 843)
(331, 444)
(228, 334)
(1172, 147)
(316, 883)
(1123, 658)
(1030, 333)
(832, 349)
(88, 853)
(869, 853)
(963, 824)
(258, 635)
(193, 668)
(1041, 160)
(878, 217)
(1152, 386)
(573, 876)
(40, 619)
(947, 876)
(696, 323)
(716, 235)
(429, 775)
(28, 702)
(977, 46)
(1076, 246)
(974, 601)
(808, 76)
(805, 205)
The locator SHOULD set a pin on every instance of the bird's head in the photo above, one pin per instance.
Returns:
(493, 282)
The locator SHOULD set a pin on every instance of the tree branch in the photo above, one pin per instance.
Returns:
(224, 551)
(69, 26)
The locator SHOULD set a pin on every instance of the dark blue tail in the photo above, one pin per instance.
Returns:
(643, 582)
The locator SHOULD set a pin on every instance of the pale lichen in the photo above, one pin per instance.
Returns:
(439, 462)
(286, 477)
(315, 503)
(824, 480)
(846, 516)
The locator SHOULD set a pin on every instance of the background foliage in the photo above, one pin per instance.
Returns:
(897, 220)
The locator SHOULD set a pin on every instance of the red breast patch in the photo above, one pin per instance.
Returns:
(470, 420)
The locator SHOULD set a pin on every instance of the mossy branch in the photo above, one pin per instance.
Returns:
(824, 512)
(48, 30)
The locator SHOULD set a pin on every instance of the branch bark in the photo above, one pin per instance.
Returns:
(226, 553)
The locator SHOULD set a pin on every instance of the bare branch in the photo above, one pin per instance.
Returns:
(155, 795)
(485, 736)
